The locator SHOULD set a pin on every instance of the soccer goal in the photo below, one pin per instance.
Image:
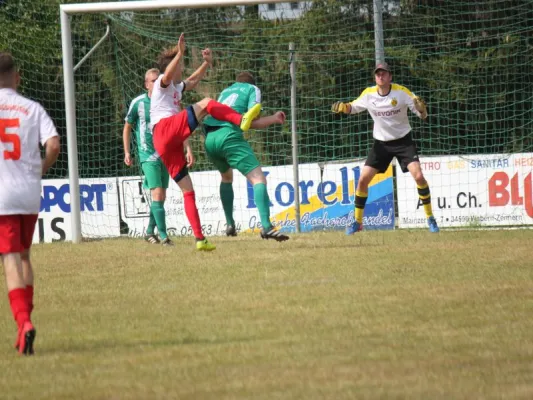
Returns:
(466, 59)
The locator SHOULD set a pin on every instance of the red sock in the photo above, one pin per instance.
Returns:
(223, 113)
(29, 297)
(192, 214)
(19, 306)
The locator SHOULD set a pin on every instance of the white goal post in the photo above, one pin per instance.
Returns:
(67, 10)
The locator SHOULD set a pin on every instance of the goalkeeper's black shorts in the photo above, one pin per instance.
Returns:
(382, 153)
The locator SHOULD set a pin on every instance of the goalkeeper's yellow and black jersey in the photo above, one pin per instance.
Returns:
(389, 112)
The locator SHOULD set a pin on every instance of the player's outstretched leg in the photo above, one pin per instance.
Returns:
(224, 113)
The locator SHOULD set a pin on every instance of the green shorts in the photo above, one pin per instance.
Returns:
(155, 175)
(227, 148)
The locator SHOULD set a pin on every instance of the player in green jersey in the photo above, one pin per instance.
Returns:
(227, 149)
(155, 173)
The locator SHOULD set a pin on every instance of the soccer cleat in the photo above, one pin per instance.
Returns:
(249, 117)
(204, 245)
(151, 239)
(167, 242)
(432, 223)
(272, 233)
(231, 231)
(26, 339)
(353, 228)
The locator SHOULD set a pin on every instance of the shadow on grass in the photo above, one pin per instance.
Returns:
(142, 344)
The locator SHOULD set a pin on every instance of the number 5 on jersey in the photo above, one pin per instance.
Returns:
(10, 138)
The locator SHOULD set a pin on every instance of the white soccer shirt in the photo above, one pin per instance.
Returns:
(23, 124)
(165, 102)
(388, 112)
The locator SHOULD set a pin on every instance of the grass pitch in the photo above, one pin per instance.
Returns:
(380, 315)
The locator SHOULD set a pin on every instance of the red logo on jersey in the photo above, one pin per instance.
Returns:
(10, 138)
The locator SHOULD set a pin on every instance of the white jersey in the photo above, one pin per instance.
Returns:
(388, 112)
(23, 125)
(165, 102)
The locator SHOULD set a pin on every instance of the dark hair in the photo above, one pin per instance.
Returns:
(245, 77)
(165, 57)
(7, 63)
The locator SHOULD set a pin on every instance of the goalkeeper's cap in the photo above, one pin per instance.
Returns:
(383, 66)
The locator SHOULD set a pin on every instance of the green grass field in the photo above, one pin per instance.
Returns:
(380, 315)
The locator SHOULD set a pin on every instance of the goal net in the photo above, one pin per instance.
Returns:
(469, 60)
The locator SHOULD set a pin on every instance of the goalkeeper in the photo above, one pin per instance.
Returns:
(387, 104)
(227, 149)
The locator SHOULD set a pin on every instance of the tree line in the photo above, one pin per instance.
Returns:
(471, 62)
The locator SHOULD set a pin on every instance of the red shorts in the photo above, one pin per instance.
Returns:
(169, 135)
(16, 232)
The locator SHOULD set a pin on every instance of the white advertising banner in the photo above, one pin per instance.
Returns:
(326, 201)
(98, 204)
(485, 190)
(135, 201)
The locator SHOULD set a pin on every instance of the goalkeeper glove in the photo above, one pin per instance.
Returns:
(340, 107)
(420, 106)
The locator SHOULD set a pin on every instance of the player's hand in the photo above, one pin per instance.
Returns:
(207, 55)
(181, 44)
(339, 107)
(420, 106)
(280, 117)
(189, 156)
(127, 160)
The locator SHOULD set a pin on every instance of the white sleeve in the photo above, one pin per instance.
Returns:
(47, 128)
(180, 87)
(359, 104)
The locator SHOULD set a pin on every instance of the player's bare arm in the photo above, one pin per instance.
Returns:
(192, 81)
(277, 118)
(51, 152)
(126, 138)
(173, 71)
(189, 154)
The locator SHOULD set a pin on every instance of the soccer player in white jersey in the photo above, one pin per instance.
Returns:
(172, 126)
(155, 173)
(387, 104)
(23, 125)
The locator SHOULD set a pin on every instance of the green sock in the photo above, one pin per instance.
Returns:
(263, 204)
(158, 210)
(151, 223)
(227, 196)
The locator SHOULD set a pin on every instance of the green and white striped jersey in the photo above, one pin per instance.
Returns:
(139, 116)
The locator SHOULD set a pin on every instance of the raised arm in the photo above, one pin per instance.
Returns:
(356, 106)
(173, 70)
(192, 81)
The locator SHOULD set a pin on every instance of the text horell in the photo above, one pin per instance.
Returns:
(91, 197)
(326, 191)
